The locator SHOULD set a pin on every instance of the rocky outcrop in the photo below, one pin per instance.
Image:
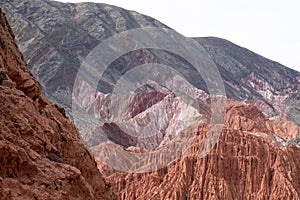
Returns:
(41, 153)
(250, 119)
(243, 165)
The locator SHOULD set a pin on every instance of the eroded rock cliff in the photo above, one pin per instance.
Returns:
(247, 162)
(41, 153)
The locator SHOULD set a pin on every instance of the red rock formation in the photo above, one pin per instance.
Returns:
(242, 165)
(41, 153)
(249, 118)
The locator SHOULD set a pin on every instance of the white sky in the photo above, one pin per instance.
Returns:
(268, 27)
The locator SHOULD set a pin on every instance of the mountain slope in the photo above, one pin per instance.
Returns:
(55, 37)
(41, 153)
(241, 65)
(77, 28)
(251, 77)
(256, 154)
(56, 34)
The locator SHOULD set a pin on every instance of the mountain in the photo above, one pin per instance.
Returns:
(41, 153)
(138, 114)
(56, 35)
(55, 38)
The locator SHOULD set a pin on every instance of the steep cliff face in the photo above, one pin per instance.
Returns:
(248, 162)
(41, 153)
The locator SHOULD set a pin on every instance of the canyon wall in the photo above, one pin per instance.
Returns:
(41, 153)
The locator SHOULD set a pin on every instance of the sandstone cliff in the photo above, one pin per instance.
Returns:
(41, 153)
(246, 163)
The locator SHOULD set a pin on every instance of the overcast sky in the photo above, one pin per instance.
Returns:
(268, 27)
